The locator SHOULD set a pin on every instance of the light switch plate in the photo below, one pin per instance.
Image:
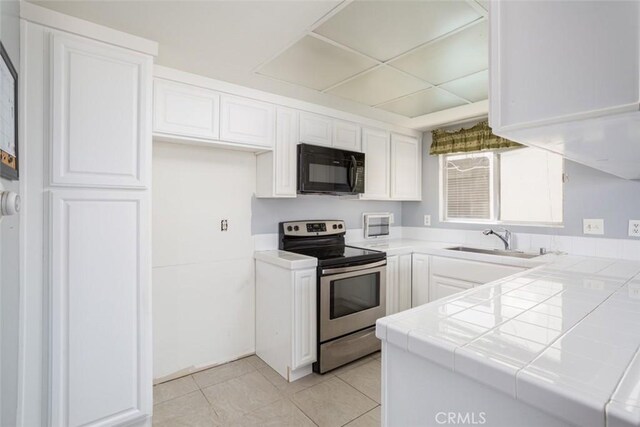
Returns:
(593, 226)
(427, 220)
(391, 219)
(634, 227)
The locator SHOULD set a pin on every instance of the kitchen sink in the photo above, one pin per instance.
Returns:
(500, 252)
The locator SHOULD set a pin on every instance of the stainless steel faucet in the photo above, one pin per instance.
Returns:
(505, 237)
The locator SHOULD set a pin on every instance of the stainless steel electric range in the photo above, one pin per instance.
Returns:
(351, 290)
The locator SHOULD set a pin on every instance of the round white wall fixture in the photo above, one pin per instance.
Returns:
(9, 202)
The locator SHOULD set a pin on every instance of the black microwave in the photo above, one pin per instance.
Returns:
(324, 170)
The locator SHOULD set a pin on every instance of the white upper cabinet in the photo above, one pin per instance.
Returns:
(101, 113)
(185, 111)
(346, 135)
(565, 76)
(276, 170)
(316, 129)
(376, 148)
(247, 121)
(406, 168)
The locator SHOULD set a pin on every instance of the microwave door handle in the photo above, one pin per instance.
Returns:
(352, 173)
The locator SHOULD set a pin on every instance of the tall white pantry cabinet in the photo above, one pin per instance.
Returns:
(86, 123)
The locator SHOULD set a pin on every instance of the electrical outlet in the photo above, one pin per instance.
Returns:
(634, 227)
(427, 220)
(593, 226)
(224, 225)
(391, 219)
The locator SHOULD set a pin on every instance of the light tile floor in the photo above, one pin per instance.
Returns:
(247, 392)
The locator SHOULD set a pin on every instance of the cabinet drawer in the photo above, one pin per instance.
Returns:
(471, 271)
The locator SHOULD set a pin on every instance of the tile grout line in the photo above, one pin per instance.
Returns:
(357, 418)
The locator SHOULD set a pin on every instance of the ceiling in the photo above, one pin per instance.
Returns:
(395, 61)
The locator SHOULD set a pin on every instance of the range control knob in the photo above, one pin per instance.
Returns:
(335, 226)
(340, 226)
(289, 228)
(296, 228)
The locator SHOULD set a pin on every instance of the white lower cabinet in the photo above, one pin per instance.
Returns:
(419, 279)
(448, 276)
(398, 283)
(276, 170)
(392, 284)
(304, 313)
(286, 323)
(440, 287)
(100, 307)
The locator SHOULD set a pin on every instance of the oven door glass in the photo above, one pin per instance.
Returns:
(353, 294)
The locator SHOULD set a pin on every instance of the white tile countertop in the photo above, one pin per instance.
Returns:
(288, 260)
(562, 337)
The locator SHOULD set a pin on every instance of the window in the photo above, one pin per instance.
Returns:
(522, 186)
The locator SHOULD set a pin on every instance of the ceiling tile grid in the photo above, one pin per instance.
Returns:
(407, 57)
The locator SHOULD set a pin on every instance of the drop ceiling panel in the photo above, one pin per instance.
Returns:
(315, 64)
(385, 29)
(424, 102)
(473, 88)
(452, 57)
(379, 85)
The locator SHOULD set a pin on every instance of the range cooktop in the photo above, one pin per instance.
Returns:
(340, 254)
(324, 239)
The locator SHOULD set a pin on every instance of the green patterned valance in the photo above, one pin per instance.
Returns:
(476, 138)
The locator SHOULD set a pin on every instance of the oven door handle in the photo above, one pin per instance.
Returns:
(354, 268)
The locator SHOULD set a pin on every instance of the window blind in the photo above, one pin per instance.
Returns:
(468, 187)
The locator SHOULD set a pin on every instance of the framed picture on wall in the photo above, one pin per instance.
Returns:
(8, 117)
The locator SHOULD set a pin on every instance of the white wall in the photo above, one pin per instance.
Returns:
(203, 278)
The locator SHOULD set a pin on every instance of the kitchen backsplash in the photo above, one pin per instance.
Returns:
(527, 242)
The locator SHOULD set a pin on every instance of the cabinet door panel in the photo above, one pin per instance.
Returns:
(404, 282)
(406, 168)
(315, 129)
(185, 110)
(392, 285)
(304, 318)
(247, 121)
(375, 145)
(101, 114)
(100, 311)
(285, 152)
(471, 271)
(440, 287)
(420, 280)
(346, 135)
